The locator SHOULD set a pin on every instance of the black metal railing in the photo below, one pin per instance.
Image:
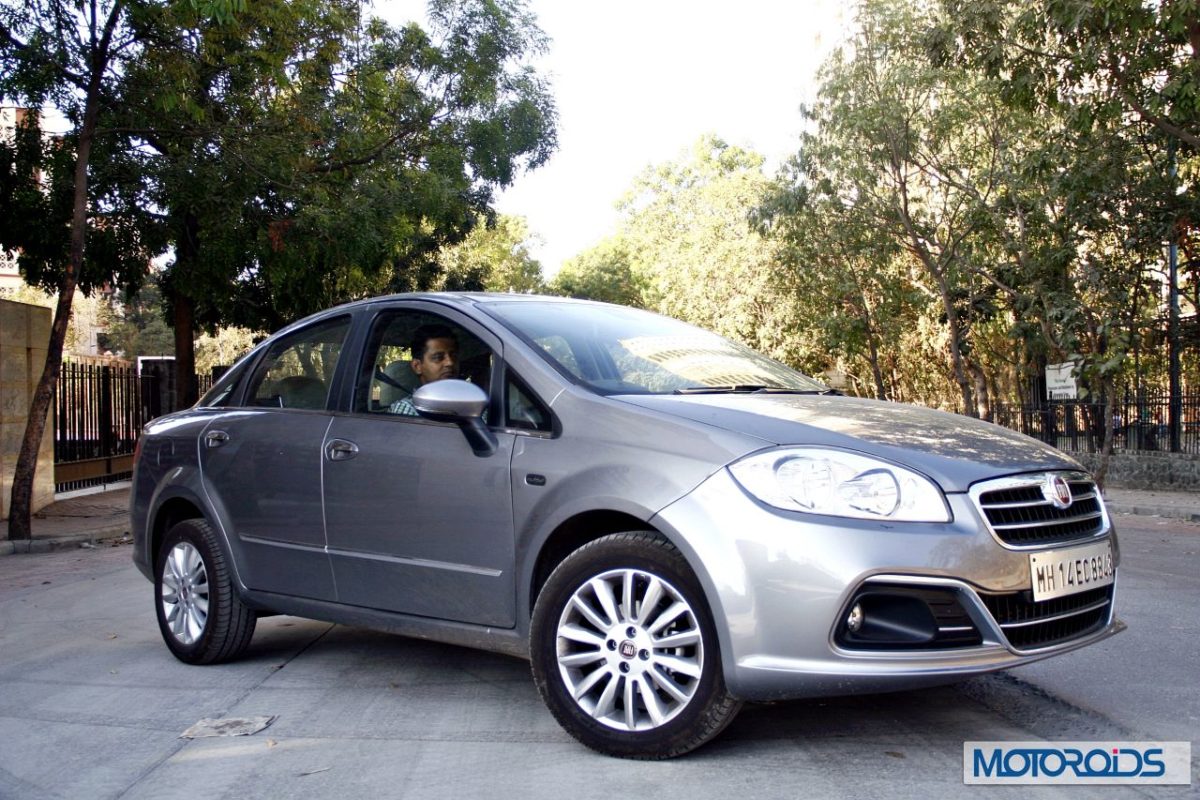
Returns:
(99, 413)
(1140, 423)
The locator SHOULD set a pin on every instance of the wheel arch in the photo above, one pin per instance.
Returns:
(569, 536)
(170, 513)
(588, 526)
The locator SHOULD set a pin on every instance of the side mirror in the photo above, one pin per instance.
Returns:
(462, 403)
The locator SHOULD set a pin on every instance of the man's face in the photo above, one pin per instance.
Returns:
(440, 361)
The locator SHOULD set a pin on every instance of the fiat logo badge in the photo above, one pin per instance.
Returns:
(628, 649)
(1057, 491)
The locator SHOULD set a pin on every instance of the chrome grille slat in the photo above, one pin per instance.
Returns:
(1018, 526)
(1030, 625)
(1036, 503)
(1030, 504)
(1020, 514)
(1065, 615)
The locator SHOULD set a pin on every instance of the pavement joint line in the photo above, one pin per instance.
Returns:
(88, 723)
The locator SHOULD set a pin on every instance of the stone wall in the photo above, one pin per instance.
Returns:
(1165, 471)
(24, 334)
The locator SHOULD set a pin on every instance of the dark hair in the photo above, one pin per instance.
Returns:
(422, 335)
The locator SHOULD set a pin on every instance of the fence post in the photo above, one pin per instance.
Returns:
(106, 412)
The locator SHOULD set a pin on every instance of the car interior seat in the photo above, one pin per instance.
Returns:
(301, 391)
(401, 383)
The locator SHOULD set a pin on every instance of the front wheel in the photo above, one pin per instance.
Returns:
(624, 651)
(201, 617)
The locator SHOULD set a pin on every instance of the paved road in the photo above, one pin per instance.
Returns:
(92, 704)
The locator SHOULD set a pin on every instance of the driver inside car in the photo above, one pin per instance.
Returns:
(434, 358)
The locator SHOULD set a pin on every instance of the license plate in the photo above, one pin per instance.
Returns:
(1057, 573)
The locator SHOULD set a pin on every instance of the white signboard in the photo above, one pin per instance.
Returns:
(1060, 382)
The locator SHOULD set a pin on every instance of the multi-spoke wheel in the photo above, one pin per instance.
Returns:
(624, 651)
(200, 615)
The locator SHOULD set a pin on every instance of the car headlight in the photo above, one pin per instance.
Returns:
(841, 484)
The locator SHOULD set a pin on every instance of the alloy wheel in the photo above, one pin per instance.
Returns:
(630, 650)
(185, 593)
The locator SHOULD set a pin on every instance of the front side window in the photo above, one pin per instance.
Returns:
(616, 350)
(407, 349)
(297, 370)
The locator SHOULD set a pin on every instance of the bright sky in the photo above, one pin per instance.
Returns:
(638, 82)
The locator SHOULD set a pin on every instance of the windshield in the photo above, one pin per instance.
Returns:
(617, 350)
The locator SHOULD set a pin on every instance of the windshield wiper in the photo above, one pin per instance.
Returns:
(727, 389)
(751, 389)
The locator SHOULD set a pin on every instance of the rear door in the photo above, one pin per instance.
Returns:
(262, 463)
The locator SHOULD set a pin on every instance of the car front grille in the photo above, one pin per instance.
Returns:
(1019, 513)
(1029, 625)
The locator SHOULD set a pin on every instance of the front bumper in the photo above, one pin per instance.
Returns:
(778, 584)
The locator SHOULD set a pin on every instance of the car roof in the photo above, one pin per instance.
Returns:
(460, 298)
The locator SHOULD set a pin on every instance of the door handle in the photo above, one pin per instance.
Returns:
(340, 450)
(215, 438)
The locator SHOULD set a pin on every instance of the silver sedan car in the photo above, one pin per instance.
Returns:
(663, 521)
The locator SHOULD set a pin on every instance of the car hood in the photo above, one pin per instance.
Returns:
(954, 450)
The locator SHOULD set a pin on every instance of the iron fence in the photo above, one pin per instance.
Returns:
(1141, 423)
(99, 413)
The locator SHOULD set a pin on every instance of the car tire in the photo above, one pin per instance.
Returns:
(200, 616)
(624, 651)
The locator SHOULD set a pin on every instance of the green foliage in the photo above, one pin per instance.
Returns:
(977, 173)
(137, 327)
(493, 258)
(307, 156)
(691, 251)
(605, 273)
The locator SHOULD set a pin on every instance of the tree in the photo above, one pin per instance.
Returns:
(320, 157)
(68, 55)
(137, 327)
(686, 228)
(854, 300)
(1122, 78)
(604, 273)
(492, 258)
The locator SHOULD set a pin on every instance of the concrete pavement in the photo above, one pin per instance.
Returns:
(85, 520)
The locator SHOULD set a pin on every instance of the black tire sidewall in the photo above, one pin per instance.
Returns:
(646, 553)
(199, 537)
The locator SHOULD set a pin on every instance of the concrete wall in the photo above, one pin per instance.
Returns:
(1165, 471)
(24, 334)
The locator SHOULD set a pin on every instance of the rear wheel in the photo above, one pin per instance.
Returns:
(200, 615)
(624, 651)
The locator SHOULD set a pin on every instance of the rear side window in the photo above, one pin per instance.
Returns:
(296, 372)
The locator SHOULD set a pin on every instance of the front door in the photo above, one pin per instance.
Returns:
(415, 521)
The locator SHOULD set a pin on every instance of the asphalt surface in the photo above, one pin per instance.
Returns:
(93, 705)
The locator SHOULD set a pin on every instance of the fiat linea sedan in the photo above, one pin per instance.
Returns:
(664, 522)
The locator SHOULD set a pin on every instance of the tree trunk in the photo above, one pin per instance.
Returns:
(956, 356)
(1101, 473)
(21, 504)
(983, 400)
(187, 392)
(20, 507)
(872, 346)
(187, 250)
